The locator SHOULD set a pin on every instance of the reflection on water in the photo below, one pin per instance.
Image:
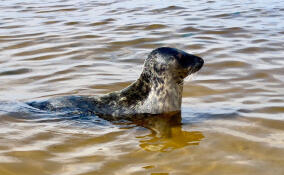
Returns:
(177, 139)
(232, 115)
(167, 133)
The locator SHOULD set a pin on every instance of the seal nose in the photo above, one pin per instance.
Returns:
(193, 61)
(199, 62)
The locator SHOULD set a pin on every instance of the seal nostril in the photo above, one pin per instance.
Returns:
(198, 63)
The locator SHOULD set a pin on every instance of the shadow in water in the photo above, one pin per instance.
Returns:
(166, 131)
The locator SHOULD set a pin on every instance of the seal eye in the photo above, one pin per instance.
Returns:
(179, 56)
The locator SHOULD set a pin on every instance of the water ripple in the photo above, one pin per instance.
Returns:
(232, 111)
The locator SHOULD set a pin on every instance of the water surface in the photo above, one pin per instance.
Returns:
(233, 111)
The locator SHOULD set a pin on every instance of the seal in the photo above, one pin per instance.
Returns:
(157, 90)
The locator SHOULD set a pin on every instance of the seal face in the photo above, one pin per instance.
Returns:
(157, 90)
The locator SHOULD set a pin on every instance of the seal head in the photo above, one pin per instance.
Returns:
(171, 63)
(164, 71)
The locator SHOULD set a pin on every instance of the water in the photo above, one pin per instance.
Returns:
(233, 110)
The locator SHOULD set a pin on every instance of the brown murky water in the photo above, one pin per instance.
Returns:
(233, 111)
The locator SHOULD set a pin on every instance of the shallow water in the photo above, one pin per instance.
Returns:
(233, 111)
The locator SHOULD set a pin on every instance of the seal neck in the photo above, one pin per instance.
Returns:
(136, 92)
(148, 94)
(164, 94)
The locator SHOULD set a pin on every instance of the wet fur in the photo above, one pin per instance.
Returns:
(157, 90)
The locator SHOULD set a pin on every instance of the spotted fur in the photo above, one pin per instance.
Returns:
(157, 90)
